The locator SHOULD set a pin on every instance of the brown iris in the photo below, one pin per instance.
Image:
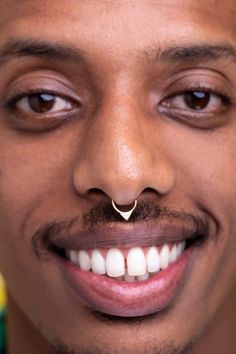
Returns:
(197, 100)
(41, 103)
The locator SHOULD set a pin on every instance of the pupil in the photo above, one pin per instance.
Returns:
(197, 100)
(41, 103)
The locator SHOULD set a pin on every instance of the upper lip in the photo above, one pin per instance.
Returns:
(130, 235)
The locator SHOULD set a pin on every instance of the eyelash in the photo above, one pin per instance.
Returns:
(226, 100)
(166, 106)
(18, 96)
(11, 102)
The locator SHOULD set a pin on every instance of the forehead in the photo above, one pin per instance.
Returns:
(119, 25)
(119, 11)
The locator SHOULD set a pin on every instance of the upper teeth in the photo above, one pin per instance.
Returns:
(136, 262)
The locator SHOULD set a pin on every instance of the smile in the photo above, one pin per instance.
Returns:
(134, 264)
(129, 270)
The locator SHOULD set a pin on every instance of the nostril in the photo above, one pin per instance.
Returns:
(96, 191)
(97, 195)
(149, 190)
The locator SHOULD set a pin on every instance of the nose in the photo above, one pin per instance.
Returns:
(118, 157)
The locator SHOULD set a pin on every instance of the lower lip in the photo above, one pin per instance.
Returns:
(123, 299)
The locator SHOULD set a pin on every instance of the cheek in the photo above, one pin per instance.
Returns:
(206, 176)
(28, 170)
(205, 165)
(28, 178)
(205, 169)
(20, 187)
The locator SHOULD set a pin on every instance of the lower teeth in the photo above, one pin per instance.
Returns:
(130, 279)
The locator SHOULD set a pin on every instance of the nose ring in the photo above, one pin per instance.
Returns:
(125, 214)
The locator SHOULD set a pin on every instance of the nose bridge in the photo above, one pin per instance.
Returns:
(116, 150)
(122, 138)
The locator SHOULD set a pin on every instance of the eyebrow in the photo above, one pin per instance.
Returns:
(16, 48)
(199, 52)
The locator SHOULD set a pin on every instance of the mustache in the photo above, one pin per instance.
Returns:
(102, 214)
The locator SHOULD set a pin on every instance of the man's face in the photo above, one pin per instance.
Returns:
(118, 100)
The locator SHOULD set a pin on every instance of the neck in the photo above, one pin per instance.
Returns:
(20, 330)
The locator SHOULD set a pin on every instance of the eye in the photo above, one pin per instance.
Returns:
(42, 103)
(40, 110)
(197, 101)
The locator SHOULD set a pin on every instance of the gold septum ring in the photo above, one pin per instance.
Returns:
(125, 214)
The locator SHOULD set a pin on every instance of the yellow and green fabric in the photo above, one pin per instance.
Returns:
(2, 315)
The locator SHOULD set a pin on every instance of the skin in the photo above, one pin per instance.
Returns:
(119, 146)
